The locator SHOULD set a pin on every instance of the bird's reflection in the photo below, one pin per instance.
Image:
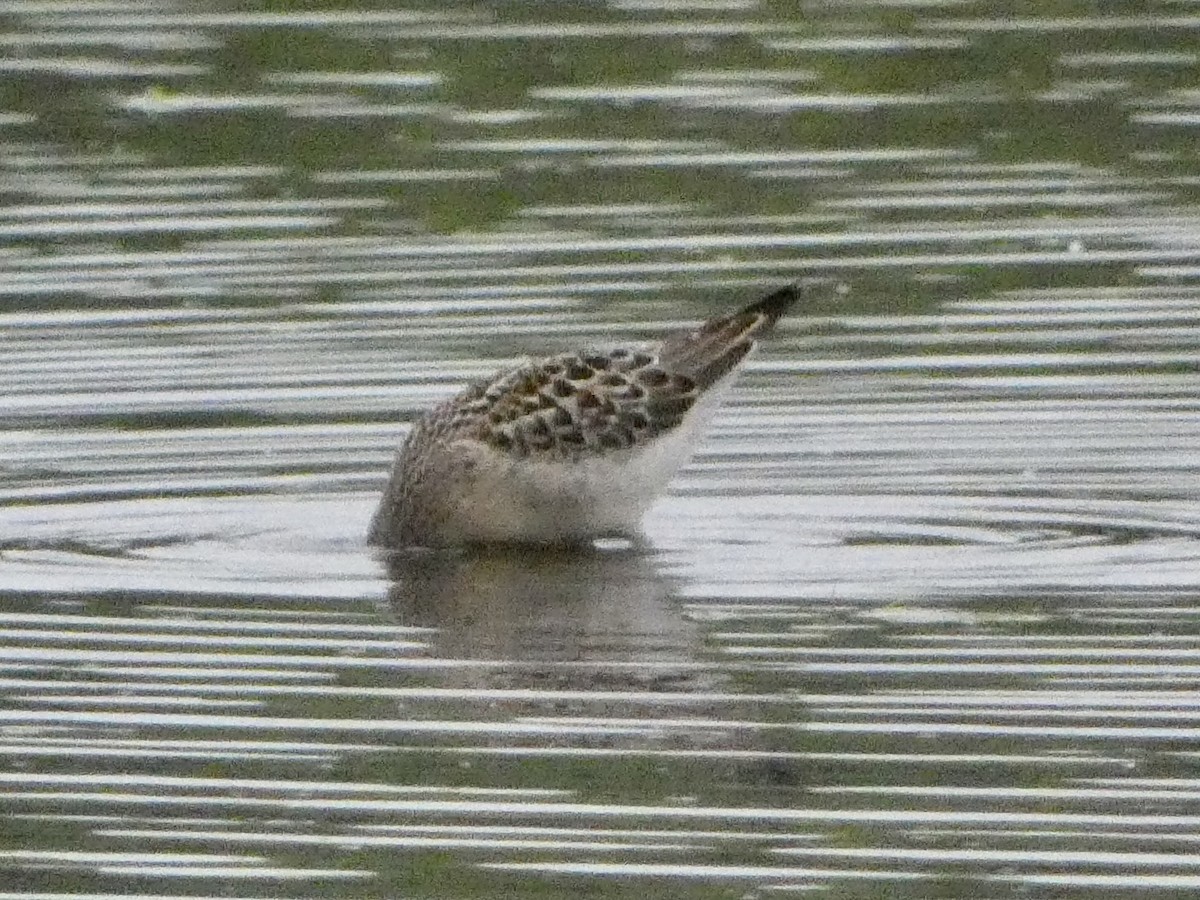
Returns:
(598, 616)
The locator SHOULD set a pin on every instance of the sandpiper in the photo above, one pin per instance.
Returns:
(566, 449)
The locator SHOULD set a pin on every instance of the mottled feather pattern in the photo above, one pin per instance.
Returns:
(568, 447)
(576, 404)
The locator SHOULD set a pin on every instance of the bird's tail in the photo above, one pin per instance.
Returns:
(713, 349)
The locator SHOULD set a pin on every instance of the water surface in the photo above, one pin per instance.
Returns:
(918, 620)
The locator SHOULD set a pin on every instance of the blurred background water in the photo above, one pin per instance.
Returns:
(920, 619)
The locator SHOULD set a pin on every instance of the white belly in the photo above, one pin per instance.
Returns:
(564, 502)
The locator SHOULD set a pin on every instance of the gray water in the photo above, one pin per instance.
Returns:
(920, 618)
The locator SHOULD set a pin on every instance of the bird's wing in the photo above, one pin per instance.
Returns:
(598, 401)
(577, 404)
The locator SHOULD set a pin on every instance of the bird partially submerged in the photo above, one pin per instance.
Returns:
(565, 449)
